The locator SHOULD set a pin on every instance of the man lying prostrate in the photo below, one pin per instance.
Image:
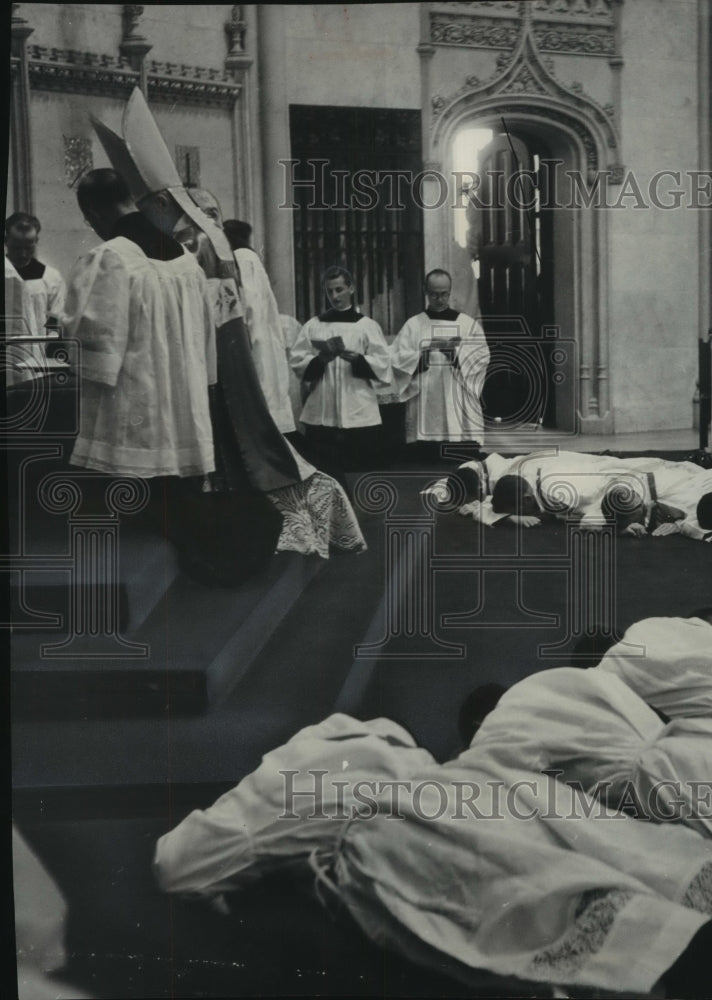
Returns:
(668, 663)
(698, 527)
(590, 728)
(472, 863)
(639, 495)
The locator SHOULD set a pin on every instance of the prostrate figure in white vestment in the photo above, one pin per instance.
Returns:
(639, 495)
(471, 863)
(591, 728)
(439, 363)
(668, 663)
(342, 356)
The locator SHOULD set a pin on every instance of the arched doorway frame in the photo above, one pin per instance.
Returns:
(583, 136)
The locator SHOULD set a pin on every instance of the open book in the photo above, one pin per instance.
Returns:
(334, 345)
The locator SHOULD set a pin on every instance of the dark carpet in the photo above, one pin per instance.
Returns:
(504, 615)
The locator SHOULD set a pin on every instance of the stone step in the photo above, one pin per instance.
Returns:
(41, 598)
(186, 656)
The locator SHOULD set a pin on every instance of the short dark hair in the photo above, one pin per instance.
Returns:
(333, 272)
(475, 709)
(704, 511)
(436, 271)
(619, 504)
(101, 189)
(238, 233)
(508, 494)
(22, 222)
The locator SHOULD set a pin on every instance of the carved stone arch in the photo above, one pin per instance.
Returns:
(581, 275)
(584, 136)
(525, 85)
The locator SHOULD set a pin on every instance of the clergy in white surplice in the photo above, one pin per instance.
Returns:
(439, 363)
(139, 306)
(264, 326)
(471, 864)
(45, 285)
(341, 357)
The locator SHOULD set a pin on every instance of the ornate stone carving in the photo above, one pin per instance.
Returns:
(133, 44)
(495, 8)
(584, 27)
(446, 29)
(74, 72)
(524, 82)
(78, 157)
(236, 29)
(582, 40)
(596, 11)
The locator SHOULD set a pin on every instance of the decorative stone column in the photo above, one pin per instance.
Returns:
(237, 64)
(21, 140)
(274, 119)
(704, 64)
(134, 47)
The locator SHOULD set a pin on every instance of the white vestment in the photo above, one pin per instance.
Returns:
(578, 482)
(442, 403)
(668, 663)
(146, 334)
(266, 337)
(47, 295)
(340, 398)
(291, 328)
(493, 867)
(316, 512)
(23, 360)
(593, 729)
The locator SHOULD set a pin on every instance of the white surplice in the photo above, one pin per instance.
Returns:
(668, 663)
(47, 295)
(442, 403)
(578, 482)
(146, 333)
(264, 326)
(593, 729)
(340, 398)
(496, 868)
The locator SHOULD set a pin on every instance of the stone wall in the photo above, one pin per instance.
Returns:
(650, 279)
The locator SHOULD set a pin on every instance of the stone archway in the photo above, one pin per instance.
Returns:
(584, 144)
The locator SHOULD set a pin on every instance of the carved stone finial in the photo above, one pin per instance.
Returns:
(134, 46)
(131, 16)
(236, 29)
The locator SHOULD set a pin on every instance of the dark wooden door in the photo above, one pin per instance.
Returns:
(511, 238)
(354, 212)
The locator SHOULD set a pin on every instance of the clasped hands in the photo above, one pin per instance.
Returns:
(329, 354)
